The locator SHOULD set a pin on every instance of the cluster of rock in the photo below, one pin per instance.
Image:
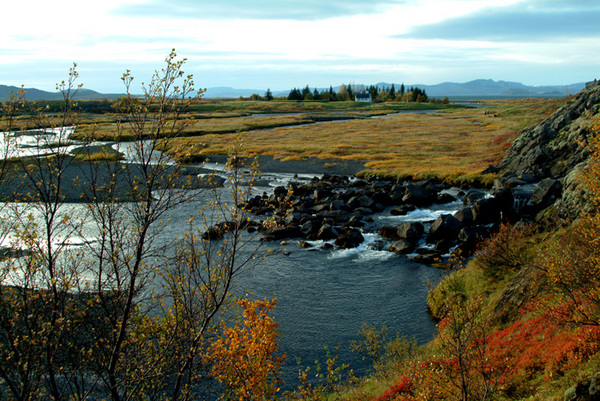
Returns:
(337, 209)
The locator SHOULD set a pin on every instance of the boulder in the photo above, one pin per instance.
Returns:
(465, 215)
(388, 232)
(445, 197)
(327, 232)
(349, 238)
(486, 211)
(443, 246)
(353, 203)
(310, 229)
(546, 192)
(427, 256)
(445, 226)
(417, 195)
(320, 208)
(402, 247)
(411, 232)
(280, 233)
(280, 191)
(473, 196)
(469, 238)
(505, 199)
(366, 202)
(397, 192)
(321, 194)
(364, 210)
(337, 205)
(217, 231)
(377, 245)
(402, 210)
(355, 221)
(473, 234)
(293, 218)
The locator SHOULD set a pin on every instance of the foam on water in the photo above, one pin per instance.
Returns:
(365, 252)
(34, 143)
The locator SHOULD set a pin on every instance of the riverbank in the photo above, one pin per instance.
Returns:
(310, 165)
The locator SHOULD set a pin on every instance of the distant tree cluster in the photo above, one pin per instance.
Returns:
(268, 96)
(347, 93)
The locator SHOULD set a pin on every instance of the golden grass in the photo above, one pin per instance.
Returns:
(451, 145)
(214, 125)
(454, 144)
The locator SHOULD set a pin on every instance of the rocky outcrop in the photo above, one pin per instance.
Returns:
(553, 147)
(585, 390)
(543, 165)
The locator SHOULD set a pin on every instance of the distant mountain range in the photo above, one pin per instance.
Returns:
(37, 94)
(489, 87)
(480, 88)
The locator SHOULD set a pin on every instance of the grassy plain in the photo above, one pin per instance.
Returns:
(455, 144)
(451, 142)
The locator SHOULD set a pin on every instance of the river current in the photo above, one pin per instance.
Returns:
(325, 296)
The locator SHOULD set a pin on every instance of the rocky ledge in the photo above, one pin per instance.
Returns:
(552, 155)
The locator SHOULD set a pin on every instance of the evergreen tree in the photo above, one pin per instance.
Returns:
(419, 95)
(306, 92)
(295, 94)
(268, 94)
(374, 91)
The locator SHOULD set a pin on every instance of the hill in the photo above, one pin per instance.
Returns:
(479, 88)
(37, 94)
(489, 87)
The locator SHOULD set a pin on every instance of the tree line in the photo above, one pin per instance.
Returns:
(348, 92)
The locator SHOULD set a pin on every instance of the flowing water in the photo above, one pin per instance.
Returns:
(324, 296)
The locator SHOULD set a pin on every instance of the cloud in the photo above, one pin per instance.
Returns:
(532, 20)
(256, 9)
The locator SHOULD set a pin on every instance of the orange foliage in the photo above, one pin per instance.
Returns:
(244, 358)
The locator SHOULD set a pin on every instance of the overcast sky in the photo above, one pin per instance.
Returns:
(280, 44)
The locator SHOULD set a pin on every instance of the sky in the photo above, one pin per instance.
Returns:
(281, 44)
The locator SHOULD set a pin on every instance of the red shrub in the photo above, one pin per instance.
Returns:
(402, 386)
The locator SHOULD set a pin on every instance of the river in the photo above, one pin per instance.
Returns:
(324, 296)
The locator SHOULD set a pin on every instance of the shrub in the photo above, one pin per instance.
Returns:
(403, 386)
(506, 252)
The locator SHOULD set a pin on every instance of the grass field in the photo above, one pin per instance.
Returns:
(453, 144)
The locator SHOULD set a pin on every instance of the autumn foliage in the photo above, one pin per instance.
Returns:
(244, 358)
